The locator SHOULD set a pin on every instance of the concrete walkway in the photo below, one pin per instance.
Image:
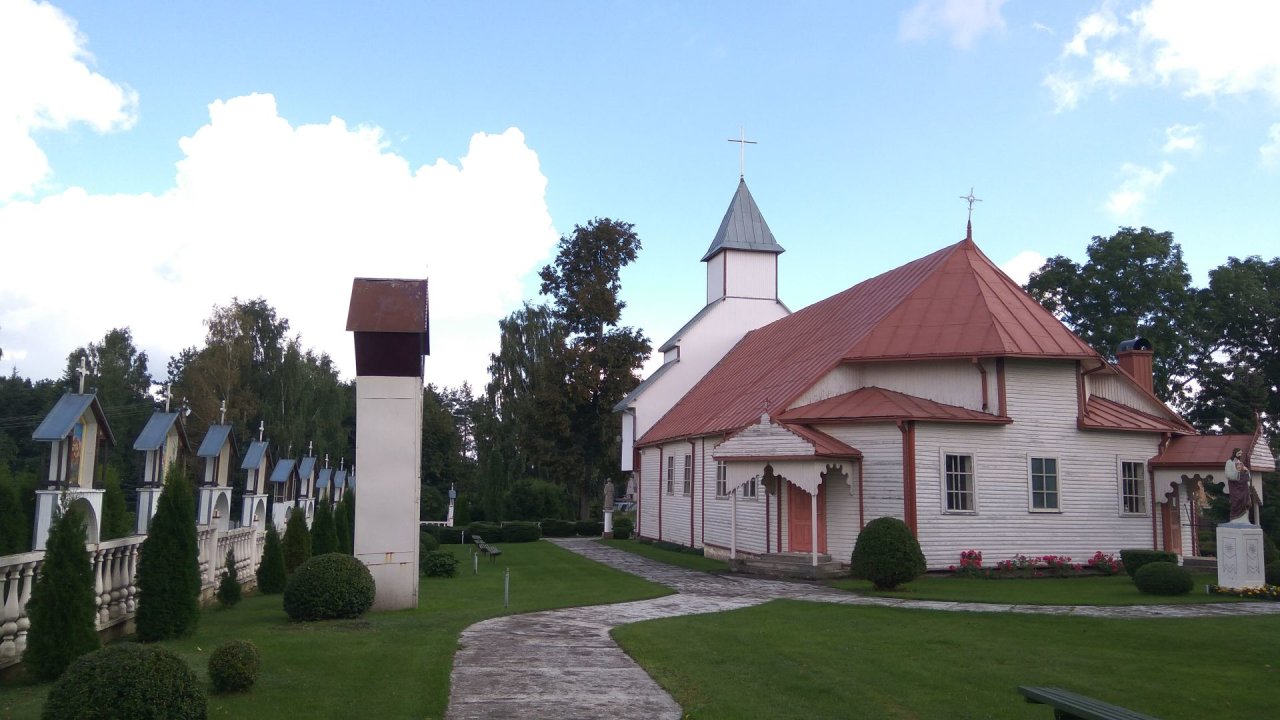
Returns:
(564, 664)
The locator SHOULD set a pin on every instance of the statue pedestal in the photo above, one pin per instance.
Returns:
(1240, 556)
(608, 524)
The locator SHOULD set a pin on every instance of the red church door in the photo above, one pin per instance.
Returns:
(1171, 519)
(800, 519)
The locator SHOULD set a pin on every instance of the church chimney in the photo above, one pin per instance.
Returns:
(1134, 357)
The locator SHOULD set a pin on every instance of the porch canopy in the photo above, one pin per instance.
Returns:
(772, 452)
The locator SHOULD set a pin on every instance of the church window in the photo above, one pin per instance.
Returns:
(1133, 499)
(687, 487)
(671, 474)
(958, 483)
(722, 479)
(749, 489)
(1045, 494)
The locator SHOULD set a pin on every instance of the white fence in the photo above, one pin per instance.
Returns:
(115, 569)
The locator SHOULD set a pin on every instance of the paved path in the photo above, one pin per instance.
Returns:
(564, 664)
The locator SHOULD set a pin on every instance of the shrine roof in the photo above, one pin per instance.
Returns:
(871, 404)
(252, 458)
(57, 425)
(1103, 414)
(743, 227)
(283, 470)
(306, 466)
(213, 441)
(156, 429)
(323, 476)
(340, 478)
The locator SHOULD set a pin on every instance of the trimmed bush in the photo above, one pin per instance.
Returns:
(297, 541)
(63, 607)
(623, 527)
(1135, 558)
(588, 528)
(115, 515)
(168, 565)
(887, 554)
(449, 535)
(271, 574)
(426, 543)
(328, 587)
(487, 530)
(438, 563)
(521, 532)
(1273, 573)
(342, 530)
(229, 587)
(1163, 578)
(233, 666)
(324, 533)
(552, 527)
(127, 680)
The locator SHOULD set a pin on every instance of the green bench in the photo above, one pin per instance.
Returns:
(1074, 706)
(484, 547)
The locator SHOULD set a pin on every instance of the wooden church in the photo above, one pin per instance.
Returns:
(938, 392)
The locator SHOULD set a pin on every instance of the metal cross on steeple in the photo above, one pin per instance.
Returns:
(971, 200)
(84, 371)
(743, 142)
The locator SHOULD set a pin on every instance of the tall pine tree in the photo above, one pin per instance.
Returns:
(271, 575)
(63, 607)
(324, 535)
(297, 540)
(169, 566)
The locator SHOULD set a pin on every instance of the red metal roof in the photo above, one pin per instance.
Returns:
(878, 404)
(823, 444)
(1103, 414)
(979, 312)
(1201, 450)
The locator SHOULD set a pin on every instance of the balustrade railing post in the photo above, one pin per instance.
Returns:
(24, 622)
(9, 611)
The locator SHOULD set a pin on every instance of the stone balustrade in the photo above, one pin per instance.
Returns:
(115, 568)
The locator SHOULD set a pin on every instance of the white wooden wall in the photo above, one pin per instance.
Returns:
(951, 382)
(1114, 387)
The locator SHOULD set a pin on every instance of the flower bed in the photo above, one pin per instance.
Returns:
(1021, 566)
(1266, 592)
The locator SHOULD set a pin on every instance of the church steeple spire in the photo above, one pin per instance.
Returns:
(743, 258)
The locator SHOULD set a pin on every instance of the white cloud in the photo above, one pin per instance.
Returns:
(1182, 138)
(261, 207)
(963, 21)
(1198, 48)
(1269, 152)
(1020, 266)
(1138, 185)
(1041, 27)
(46, 83)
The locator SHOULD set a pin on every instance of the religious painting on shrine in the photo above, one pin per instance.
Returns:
(74, 451)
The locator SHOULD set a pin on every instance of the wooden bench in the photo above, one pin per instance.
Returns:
(484, 547)
(1074, 706)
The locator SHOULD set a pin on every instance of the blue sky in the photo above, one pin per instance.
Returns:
(188, 152)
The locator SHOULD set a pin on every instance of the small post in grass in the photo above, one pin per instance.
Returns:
(475, 563)
(506, 588)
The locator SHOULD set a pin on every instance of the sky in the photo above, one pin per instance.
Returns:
(158, 159)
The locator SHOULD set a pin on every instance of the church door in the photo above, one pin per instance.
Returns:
(1171, 519)
(800, 519)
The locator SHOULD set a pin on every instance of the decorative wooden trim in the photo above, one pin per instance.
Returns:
(908, 429)
(661, 490)
(1003, 406)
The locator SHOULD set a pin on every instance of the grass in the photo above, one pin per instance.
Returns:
(671, 557)
(383, 665)
(1088, 590)
(791, 659)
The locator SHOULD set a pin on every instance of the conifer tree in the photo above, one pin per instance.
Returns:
(169, 566)
(342, 529)
(229, 587)
(63, 607)
(324, 534)
(271, 574)
(348, 507)
(15, 534)
(115, 516)
(297, 540)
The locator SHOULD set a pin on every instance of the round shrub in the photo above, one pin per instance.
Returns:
(887, 554)
(426, 543)
(1135, 558)
(233, 666)
(623, 527)
(327, 587)
(589, 528)
(438, 563)
(1273, 573)
(1163, 578)
(127, 680)
(449, 535)
(520, 532)
(229, 588)
(552, 527)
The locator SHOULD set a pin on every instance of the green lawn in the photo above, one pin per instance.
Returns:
(790, 659)
(383, 665)
(671, 557)
(1088, 590)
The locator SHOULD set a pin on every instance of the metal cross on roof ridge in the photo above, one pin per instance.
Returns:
(222, 412)
(84, 372)
(743, 142)
(971, 200)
